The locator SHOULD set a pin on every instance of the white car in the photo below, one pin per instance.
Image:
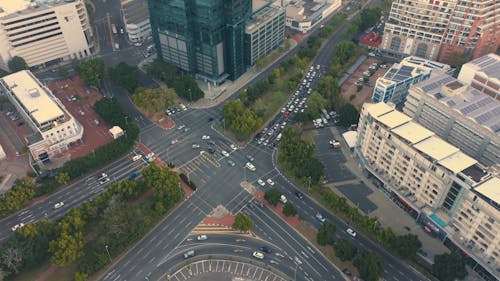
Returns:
(15, 227)
(250, 166)
(224, 153)
(351, 232)
(181, 127)
(201, 237)
(233, 146)
(105, 180)
(58, 205)
(270, 182)
(205, 137)
(320, 217)
(261, 182)
(174, 141)
(195, 145)
(258, 255)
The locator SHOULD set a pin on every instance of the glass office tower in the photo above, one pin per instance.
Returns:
(202, 37)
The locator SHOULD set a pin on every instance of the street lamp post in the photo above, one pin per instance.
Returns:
(107, 251)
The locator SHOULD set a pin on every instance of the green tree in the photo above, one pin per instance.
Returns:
(449, 267)
(272, 196)
(17, 64)
(369, 17)
(345, 249)
(68, 246)
(162, 70)
(243, 121)
(186, 88)
(2, 74)
(406, 245)
(62, 178)
(63, 71)
(154, 100)
(242, 223)
(92, 72)
(125, 76)
(289, 210)
(348, 115)
(315, 103)
(325, 234)
(344, 50)
(370, 266)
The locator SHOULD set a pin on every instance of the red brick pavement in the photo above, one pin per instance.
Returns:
(227, 220)
(292, 221)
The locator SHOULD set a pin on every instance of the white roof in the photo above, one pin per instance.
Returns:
(490, 189)
(413, 132)
(35, 99)
(393, 119)
(377, 109)
(457, 162)
(436, 148)
(115, 130)
(350, 138)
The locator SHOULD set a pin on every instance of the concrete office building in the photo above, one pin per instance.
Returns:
(55, 128)
(302, 15)
(265, 31)
(459, 114)
(438, 30)
(202, 37)
(434, 179)
(44, 32)
(136, 19)
(393, 86)
(483, 74)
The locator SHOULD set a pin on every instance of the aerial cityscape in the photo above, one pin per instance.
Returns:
(249, 140)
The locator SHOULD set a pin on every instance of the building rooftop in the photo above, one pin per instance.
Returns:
(262, 16)
(489, 65)
(34, 98)
(413, 132)
(490, 189)
(377, 109)
(436, 148)
(135, 11)
(259, 4)
(393, 119)
(8, 7)
(457, 162)
(471, 103)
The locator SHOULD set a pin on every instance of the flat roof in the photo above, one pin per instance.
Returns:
(33, 97)
(350, 138)
(488, 64)
(9, 7)
(457, 162)
(436, 148)
(393, 119)
(258, 4)
(135, 11)
(490, 189)
(413, 132)
(377, 109)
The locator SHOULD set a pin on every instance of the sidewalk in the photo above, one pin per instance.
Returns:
(387, 212)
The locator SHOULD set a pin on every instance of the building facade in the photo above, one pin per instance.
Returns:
(264, 32)
(44, 32)
(439, 30)
(453, 196)
(483, 74)
(459, 114)
(55, 128)
(202, 37)
(136, 19)
(393, 86)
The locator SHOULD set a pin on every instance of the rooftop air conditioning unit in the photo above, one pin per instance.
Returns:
(34, 93)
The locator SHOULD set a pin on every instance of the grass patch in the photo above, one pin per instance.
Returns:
(62, 273)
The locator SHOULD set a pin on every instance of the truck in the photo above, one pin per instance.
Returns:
(113, 28)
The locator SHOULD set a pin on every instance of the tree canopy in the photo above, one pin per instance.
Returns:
(344, 50)
(348, 115)
(243, 121)
(162, 70)
(92, 71)
(17, 64)
(449, 267)
(406, 245)
(186, 88)
(272, 196)
(369, 17)
(289, 210)
(242, 223)
(315, 103)
(370, 266)
(154, 100)
(325, 234)
(125, 76)
(345, 249)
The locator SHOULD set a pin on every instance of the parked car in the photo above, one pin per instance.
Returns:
(261, 182)
(15, 227)
(224, 153)
(250, 158)
(231, 162)
(270, 182)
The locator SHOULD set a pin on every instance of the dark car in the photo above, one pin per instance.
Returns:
(266, 249)
(299, 195)
(210, 119)
(347, 272)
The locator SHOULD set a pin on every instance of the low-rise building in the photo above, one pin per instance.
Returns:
(393, 86)
(435, 179)
(44, 32)
(302, 15)
(55, 128)
(135, 15)
(265, 31)
(460, 114)
(483, 74)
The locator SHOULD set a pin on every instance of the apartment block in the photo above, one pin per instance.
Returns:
(55, 128)
(136, 19)
(452, 196)
(44, 32)
(265, 31)
(483, 74)
(393, 86)
(460, 114)
(438, 30)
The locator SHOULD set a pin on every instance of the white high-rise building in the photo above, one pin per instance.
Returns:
(136, 18)
(44, 32)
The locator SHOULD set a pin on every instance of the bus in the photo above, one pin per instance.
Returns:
(113, 28)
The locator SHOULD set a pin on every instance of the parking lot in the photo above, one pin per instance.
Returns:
(79, 101)
(349, 87)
